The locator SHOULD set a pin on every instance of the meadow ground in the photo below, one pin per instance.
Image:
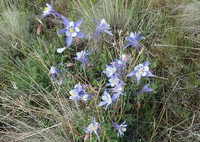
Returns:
(54, 97)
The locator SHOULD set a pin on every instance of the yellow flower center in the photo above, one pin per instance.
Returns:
(71, 30)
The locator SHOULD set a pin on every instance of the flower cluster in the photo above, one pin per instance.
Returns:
(115, 71)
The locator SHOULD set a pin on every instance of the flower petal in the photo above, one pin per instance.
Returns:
(61, 50)
(62, 31)
(131, 74)
(80, 35)
(108, 32)
(102, 104)
(69, 40)
(65, 21)
(78, 23)
(129, 44)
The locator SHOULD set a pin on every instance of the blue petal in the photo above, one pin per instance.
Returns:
(146, 63)
(149, 74)
(147, 90)
(65, 20)
(129, 39)
(108, 32)
(115, 97)
(138, 78)
(139, 37)
(78, 23)
(134, 43)
(129, 44)
(69, 40)
(80, 35)
(62, 31)
(102, 104)
(131, 74)
(57, 14)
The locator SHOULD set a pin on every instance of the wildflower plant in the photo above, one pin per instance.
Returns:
(109, 86)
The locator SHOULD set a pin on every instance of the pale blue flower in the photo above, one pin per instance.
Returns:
(79, 93)
(119, 64)
(117, 91)
(141, 70)
(110, 70)
(48, 10)
(103, 27)
(134, 39)
(114, 81)
(121, 128)
(93, 127)
(106, 100)
(71, 31)
(82, 57)
(116, 67)
(55, 75)
(54, 72)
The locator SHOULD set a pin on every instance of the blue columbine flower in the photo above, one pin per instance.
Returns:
(116, 67)
(48, 10)
(119, 64)
(134, 39)
(117, 91)
(103, 27)
(93, 127)
(55, 75)
(71, 31)
(82, 57)
(114, 81)
(79, 93)
(146, 89)
(141, 70)
(106, 100)
(120, 128)
(54, 72)
(110, 70)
